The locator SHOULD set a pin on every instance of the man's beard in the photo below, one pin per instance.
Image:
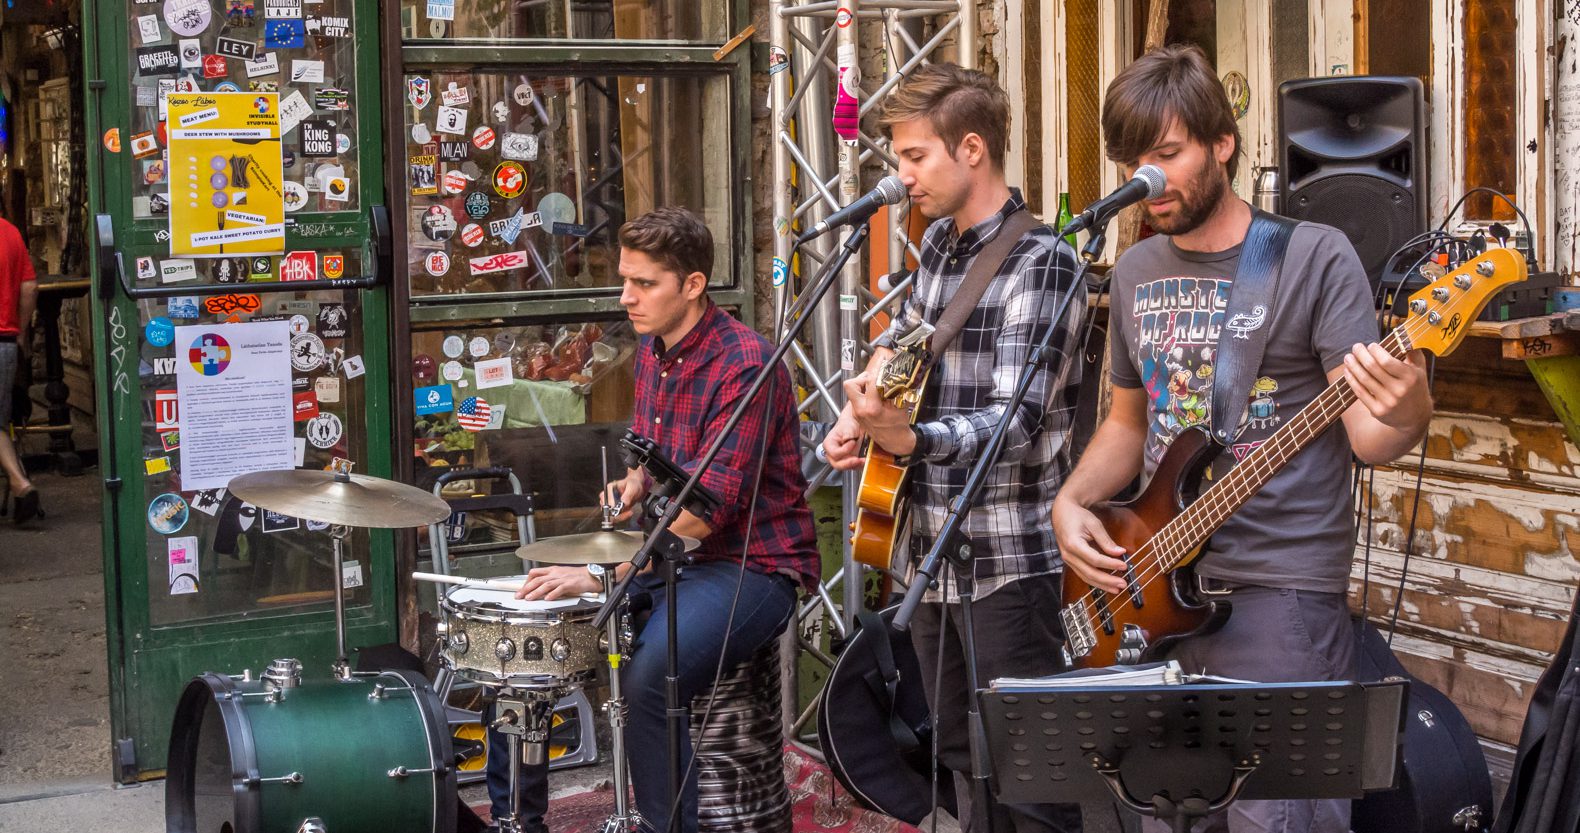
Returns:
(1196, 203)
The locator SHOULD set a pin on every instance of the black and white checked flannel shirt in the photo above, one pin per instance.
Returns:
(1010, 527)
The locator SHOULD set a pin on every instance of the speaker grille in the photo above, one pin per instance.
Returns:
(1374, 214)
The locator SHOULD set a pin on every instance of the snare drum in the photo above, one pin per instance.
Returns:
(491, 637)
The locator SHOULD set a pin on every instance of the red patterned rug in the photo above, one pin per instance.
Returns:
(820, 804)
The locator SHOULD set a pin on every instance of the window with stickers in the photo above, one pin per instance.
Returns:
(304, 53)
(530, 133)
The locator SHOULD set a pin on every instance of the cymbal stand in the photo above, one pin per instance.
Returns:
(342, 666)
(523, 717)
(625, 818)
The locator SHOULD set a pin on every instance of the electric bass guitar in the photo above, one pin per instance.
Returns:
(882, 502)
(1164, 530)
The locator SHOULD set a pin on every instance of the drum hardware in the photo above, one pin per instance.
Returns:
(403, 772)
(343, 500)
(312, 824)
(282, 673)
(292, 778)
(523, 718)
(625, 818)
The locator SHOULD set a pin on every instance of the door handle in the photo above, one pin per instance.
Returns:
(379, 238)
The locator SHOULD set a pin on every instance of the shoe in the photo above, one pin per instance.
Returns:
(27, 507)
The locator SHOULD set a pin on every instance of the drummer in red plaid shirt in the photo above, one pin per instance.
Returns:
(693, 366)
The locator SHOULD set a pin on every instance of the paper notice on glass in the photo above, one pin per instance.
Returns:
(226, 170)
(233, 384)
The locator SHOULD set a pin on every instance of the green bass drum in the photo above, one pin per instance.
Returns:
(367, 755)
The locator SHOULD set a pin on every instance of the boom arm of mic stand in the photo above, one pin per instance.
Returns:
(927, 573)
(820, 287)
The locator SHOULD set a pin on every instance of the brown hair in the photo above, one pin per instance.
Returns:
(675, 237)
(1167, 83)
(955, 101)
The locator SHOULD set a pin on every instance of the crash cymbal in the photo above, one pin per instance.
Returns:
(334, 498)
(602, 547)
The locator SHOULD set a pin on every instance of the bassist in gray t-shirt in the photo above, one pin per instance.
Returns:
(1281, 559)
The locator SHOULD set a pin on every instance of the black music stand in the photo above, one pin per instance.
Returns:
(1182, 752)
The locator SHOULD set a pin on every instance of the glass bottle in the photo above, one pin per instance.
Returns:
(1065, 216)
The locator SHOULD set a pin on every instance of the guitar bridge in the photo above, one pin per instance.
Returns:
(1080, 636)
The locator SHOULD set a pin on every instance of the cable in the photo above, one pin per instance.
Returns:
(1530, 238)
(1415, 509)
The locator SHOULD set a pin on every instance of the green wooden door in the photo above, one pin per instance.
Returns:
(195, 580)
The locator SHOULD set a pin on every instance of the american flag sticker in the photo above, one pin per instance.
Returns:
(473, 413)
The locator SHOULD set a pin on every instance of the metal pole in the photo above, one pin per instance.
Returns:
(968, 34)
(342, 667)
(851, 335)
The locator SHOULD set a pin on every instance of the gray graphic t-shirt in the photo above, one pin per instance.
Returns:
(1168, 308)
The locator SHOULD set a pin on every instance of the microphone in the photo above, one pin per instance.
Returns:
(888, 191)
(1147, 183)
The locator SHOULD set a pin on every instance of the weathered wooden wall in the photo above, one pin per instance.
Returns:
(1492, 575)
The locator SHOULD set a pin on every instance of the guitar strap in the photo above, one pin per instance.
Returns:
(884, 680)
(1247, 322)
(983, 267)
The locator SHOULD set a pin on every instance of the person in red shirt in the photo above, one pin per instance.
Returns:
(18, 297)
(737, 591)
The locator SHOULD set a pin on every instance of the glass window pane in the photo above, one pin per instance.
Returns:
(521, 181)
(540, 399)
(229, 46)
(208, 555)
(696, 20)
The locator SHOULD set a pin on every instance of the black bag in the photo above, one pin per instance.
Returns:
(1444, 786)
(874, 726)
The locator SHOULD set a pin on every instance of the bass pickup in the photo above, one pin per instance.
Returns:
(111, 263)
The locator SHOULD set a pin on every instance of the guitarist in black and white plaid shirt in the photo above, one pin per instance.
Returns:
(948, 128)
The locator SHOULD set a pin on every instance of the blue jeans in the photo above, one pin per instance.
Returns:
(704, 593)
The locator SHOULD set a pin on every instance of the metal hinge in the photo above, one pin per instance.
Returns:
(126, 759)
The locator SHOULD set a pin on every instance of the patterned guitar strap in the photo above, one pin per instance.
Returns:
(1247, 322)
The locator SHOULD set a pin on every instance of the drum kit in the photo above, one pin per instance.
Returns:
(248, 754)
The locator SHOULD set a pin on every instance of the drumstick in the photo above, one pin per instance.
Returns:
(507, 586)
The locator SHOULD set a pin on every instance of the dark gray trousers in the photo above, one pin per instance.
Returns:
(1017, 635)
(1275, 636)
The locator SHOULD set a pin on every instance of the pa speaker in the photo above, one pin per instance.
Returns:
(1352, 151)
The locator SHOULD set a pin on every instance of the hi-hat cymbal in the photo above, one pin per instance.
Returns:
(346, 499)
(602, 547)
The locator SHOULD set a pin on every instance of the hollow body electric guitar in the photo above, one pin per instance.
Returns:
(883, 499)
(1164, 530)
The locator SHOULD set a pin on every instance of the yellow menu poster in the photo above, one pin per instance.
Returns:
(225, 174)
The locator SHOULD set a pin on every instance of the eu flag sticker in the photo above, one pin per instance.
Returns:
(285, 34)
(434, 400)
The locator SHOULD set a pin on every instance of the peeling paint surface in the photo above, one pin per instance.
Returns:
(1484, 583)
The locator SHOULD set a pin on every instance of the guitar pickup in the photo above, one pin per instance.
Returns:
(1104, 615)
(1132, 587)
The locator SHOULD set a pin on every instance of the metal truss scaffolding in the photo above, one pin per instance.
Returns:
(831, 64)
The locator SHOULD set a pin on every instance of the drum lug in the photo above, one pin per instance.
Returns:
(312, 824)
(283, 673)
(271, 695)
(291, 778)
(402, 772)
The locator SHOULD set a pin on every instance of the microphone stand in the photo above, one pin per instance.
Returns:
(952, 544)
(661, 539)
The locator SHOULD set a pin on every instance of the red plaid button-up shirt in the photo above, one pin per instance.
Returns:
(685, 394)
